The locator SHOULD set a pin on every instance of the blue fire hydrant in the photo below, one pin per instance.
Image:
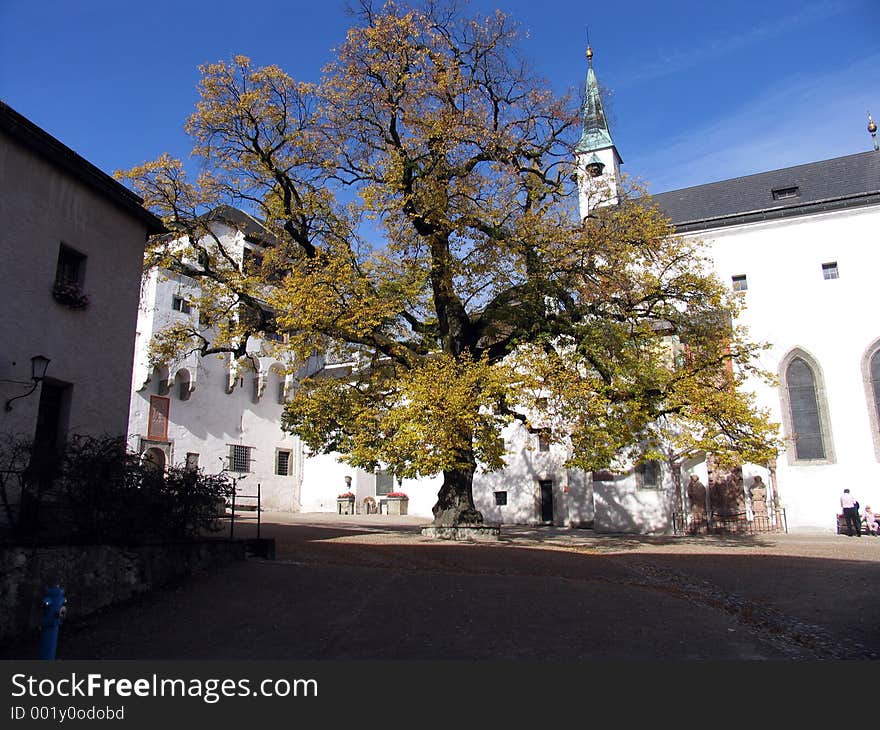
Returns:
(54, 611)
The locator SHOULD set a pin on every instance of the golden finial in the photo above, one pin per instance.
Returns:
(872, 125)
(590, 55)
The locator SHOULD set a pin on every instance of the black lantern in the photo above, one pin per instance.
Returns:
(39, 363)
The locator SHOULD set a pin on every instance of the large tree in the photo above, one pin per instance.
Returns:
(421, 206)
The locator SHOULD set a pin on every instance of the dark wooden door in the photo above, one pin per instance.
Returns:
(546, 500)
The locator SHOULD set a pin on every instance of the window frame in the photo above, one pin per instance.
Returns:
(70, 260)
(185, 304)
(232, 461)
(873, 350)
(289, 454)
(821, 402)
(739, 282)
(830, 271)
(641, 470)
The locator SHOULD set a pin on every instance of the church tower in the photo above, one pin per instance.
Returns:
(598, 163)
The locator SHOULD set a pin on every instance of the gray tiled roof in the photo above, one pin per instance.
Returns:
(841, 182)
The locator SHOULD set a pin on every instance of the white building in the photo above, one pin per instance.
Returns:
(209, 412)
(797, 242)
(72, 249)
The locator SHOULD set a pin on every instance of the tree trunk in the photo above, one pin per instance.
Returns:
(455, 500)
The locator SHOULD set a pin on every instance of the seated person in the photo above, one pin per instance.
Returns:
(870, 521)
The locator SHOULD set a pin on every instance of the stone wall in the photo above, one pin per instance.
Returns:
(93, 577)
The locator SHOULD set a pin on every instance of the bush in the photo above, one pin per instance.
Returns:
(98, 491)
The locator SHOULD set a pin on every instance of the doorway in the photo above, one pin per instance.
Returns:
(546, 487)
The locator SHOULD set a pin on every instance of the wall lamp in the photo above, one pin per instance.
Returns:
(38, 372)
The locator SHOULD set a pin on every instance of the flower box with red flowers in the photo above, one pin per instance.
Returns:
(70, 295)
(396, 503)
(345, 504)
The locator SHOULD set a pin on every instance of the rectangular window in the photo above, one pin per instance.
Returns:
(192, 461)
(648, 475)
(240, 458)
(829, 270)
(500, 499)
(71, 267)
(740, 283)
(282, 462)
(783, 193)
(384, 482)
(179, 304)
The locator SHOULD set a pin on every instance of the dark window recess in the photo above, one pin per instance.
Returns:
(829, 270)
(179, 304)
(500, 499)
(805, 422)
(260, 319)
(648, 475)
(783, 193)
(384, 482)
(740, 282)
(240, 458)
(71, 267)
(282, 463)
(69, 277)
(192, 461)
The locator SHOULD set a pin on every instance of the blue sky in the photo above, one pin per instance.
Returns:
(700, 91)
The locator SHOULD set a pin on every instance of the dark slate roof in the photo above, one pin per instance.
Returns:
(841, 182)
(28, 134)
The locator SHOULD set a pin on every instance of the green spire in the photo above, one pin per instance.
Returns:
(596, 135)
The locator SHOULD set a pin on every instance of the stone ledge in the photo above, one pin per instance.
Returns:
(476, 533)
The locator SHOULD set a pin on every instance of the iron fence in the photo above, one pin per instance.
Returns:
(729, 523)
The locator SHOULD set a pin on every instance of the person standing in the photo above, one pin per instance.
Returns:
(851, 513)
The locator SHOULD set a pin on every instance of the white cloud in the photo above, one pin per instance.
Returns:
(671, 63)
(803, 120)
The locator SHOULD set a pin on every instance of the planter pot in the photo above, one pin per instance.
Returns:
(345, 506)
(397, 505)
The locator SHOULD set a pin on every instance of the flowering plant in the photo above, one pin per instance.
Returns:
(401, 495)
(346, 495)
(70, 295)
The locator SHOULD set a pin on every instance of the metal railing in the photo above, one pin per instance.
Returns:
(242, 506)
(729, 523)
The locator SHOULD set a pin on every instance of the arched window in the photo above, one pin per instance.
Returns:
(806, 423)
(875, 381)
(183, 382)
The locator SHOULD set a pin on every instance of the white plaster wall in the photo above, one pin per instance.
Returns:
(211, 419)
(603, 190)
(324, 479)
(40, 208)
(790, 305)
(621, 506)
